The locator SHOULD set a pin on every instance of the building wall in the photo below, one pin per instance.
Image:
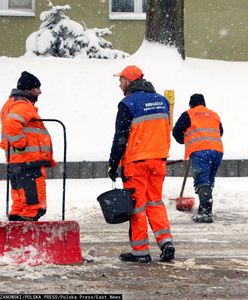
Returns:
(126, 35)
(214, 29)
(217, 29)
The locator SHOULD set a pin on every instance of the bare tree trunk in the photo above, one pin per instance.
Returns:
(165, 23)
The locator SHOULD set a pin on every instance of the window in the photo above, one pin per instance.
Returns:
(17, 7)
(127, 9)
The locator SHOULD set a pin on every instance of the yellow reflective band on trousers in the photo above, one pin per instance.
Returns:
(163, 241)
(140, 243)
(140, 252)
(159, 232)
(153, 203)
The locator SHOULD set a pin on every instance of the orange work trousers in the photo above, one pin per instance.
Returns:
(147, 178)
(28, 192)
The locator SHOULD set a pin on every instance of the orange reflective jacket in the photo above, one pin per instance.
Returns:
(204, 132)
(149, 136)
(21, 131)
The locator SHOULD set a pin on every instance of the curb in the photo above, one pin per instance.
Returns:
(99, 169)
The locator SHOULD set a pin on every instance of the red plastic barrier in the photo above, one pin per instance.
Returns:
(38, 243)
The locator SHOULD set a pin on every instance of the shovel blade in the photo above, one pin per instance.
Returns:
(185, 203)
(40, 243)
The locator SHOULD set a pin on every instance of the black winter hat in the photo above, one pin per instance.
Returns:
(197, 99)
(28, 81)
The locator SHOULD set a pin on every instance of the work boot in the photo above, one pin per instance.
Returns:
(14, 218)
(41, 212)
(204, 214)
(203, 218)
(134, 258)
(22, 218)
(168, 252)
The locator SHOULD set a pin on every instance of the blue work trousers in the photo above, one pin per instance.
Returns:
(205, 165)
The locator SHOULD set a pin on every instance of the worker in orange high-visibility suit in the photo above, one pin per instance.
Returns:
(200, 129)
(28, 148)
(141, 146)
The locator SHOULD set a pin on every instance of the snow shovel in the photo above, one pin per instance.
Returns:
(185, 203)
(44, 242)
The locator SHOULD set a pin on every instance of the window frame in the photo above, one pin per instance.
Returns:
(136, 15)
(6, 11)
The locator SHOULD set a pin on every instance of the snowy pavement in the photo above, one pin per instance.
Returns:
(211, 259)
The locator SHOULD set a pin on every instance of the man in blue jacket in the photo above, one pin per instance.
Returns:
(141, 146)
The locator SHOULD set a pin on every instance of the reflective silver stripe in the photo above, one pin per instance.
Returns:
(27, 149)
(35, 130)
(150, 117)
(140, 243)
(143, 208)
(26, 129)
(159, 232)
(155, 203)
(203, 139)
(33, 149)
(139, 209)
(163, 241)
(46, 148)
(15, 138)
(16, 116)
(201, 130)
(140, 252)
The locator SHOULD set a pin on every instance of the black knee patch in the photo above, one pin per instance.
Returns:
(29, 185)
(21, 177)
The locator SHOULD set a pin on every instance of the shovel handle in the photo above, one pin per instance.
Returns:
(64, 159)
(8, 179)
(64, 167)
(185, 178)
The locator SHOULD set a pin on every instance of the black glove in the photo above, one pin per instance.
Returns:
(19, 150)
(112, 173)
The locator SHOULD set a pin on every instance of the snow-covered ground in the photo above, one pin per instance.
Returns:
(230, 194)
(210, 251)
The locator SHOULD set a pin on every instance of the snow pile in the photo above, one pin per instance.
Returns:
(84, 95)
(61, 37)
